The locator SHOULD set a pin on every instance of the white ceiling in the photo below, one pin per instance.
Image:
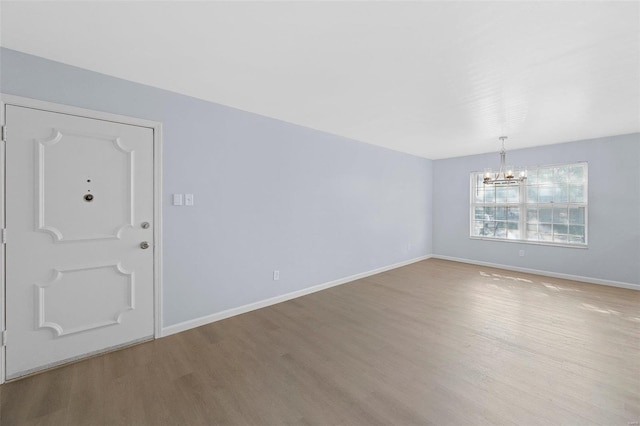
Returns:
(435, 79)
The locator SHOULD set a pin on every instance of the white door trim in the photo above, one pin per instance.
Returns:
(157, 196)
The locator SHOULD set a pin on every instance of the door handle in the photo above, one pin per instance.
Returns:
(144, 245)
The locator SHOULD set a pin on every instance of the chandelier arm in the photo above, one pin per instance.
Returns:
(503, 176)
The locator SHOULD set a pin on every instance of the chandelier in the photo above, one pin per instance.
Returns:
(507, 174)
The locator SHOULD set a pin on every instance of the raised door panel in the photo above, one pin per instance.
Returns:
(86, 198)
(85, 298)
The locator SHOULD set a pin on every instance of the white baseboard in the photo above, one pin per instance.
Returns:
(539, 272)
(197, 322)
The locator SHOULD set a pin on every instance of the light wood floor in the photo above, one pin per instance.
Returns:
(435, 342)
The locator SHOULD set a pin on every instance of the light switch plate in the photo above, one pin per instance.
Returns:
(177, 199)
(188, 199)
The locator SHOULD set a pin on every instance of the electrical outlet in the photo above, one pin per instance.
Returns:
(521, 253)
(177, 200)
(276, 275)
(188, 199)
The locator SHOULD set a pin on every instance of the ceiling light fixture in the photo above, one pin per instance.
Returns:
(507, 175)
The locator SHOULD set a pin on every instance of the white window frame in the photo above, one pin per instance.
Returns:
(522, 205)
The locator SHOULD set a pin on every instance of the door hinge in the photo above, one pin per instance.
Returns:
(3, 238)
(4, 338)
(4, 133)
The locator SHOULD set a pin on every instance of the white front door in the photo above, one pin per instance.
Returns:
(79, 209)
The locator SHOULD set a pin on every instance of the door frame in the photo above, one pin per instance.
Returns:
(7, 100)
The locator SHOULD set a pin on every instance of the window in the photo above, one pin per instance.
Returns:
(550, 207)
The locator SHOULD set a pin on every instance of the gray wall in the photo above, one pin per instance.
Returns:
(269, 195)
(614, 211)
(318, 207)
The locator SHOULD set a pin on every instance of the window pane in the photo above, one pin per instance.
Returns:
(478, 228)
(501, 194)
(576, 193)
(576, 231)
(501, 213)
(544, 234)
(560, 215)
(532, 215)
(513, 194)
(560, 238)
(479, 213)
(513, 214)
(545, 228)
(560, 229)
(489, 194)
(489, 229)
(532, 194)
(576, 174)
(532, 232)
(545, 215)
(561, 194)
(501, 230)
(560, 175)
(545, 194)
(513, 231)
(576, 239)
(532, 176)
(576, 215)
(545, 175)
(478, 195)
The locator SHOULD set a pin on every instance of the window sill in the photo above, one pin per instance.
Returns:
(536, 243)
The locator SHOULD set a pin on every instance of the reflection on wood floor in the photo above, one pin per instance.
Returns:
(435, 342)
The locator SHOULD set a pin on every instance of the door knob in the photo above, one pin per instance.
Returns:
(145, 225)
(144, 245)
